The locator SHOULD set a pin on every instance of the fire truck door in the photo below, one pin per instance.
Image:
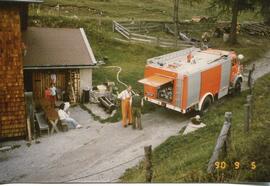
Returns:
(225, 79)
(194, 87)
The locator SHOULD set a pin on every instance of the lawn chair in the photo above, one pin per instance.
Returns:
(42, 123)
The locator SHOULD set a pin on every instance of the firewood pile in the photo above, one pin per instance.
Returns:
(256, 29)
(12, 104)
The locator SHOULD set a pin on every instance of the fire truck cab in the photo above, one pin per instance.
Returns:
(191, 78)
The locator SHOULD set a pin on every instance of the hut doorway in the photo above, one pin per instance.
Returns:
(28, 83)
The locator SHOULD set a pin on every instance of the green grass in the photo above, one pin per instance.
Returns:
(184, 158)
(139, 10)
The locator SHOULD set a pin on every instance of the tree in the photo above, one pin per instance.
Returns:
(265, 10)
(234, 7)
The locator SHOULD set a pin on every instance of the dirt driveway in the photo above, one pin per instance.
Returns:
(95, 153)
(96, 147)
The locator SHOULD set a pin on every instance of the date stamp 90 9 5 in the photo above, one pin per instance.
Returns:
(221, 165)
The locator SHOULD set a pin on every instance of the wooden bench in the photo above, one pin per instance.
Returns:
(52, 116)
(42, 123)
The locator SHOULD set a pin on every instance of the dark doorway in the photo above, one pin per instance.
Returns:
(28, 82)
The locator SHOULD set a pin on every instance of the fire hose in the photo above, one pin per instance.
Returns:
(117, 76)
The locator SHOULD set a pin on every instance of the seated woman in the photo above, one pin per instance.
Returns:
(64, 117)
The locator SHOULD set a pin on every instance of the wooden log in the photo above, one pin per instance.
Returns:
(148, 163)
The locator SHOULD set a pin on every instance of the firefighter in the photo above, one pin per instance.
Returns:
(137, 104)
(126, 101)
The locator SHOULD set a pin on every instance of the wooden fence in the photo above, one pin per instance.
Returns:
(127, 31)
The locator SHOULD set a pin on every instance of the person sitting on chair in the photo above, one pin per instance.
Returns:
(64, 117)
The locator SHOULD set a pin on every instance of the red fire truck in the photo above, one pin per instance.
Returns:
(191, 78)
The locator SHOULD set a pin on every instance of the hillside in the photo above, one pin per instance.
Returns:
(185, 158)
(139, 9)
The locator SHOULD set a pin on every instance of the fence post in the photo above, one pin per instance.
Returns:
(250, 102)
(158, 40)
(222, 142)
(228, 119)
(148, 163)
(251, 79)
(247, 117)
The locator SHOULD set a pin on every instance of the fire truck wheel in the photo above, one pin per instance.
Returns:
(206, 104)
(237, 87)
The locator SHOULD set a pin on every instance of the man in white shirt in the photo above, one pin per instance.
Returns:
(64, 116)
(126, 101)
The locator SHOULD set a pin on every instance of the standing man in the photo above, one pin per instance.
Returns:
(137, 104)
(126, 101)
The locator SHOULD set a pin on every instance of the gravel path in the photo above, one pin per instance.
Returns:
(96, 147)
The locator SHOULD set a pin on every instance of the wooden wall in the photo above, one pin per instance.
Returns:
(12, 104)
(42, 79)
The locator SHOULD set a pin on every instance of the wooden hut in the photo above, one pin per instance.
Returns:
(60, 55)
